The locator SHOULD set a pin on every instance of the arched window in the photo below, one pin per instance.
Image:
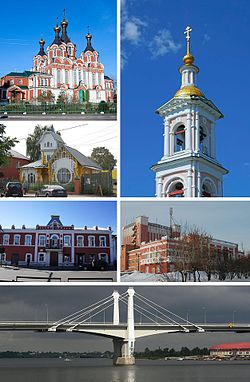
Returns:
(31, 178)
(179, 139)
(206, 191)
(203, 141)
(208, 188)
(176, 190)
(64, 176)
(91, 241)
(54, 241)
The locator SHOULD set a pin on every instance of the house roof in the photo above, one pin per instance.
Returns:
(26, 73)
(82, 159)
(37, 164)
(234, 346)
(56, 136)
(16, 154)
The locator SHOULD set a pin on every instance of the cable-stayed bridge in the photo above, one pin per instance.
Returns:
(144, 318)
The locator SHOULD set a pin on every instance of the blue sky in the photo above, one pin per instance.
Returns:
(153, 44)
(231, 223)
(79, 213)
(26, 22)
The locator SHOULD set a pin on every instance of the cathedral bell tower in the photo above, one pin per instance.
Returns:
(189, 167)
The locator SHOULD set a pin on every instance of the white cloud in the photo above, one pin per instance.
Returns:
(132, 29)
(206, 38)
(135, 31)
(163, 43)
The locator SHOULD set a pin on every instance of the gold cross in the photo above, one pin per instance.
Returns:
(187, 33)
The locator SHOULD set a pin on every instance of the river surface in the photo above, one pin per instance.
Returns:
(95, 370)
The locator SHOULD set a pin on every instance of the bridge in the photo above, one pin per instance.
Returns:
(153, 320)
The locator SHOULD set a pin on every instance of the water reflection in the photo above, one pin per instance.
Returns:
(124, 374)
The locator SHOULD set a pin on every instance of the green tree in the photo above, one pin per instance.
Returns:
(46, 96)
(6, 143)
(104, 158)
(32, 142)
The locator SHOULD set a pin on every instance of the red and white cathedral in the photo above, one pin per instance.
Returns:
(57, 70)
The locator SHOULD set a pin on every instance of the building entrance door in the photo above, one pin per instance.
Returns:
(81, 96)
(15, 259)
(53, 258)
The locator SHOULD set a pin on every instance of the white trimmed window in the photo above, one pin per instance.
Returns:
(102, 241)
(3, 257)
(67, 241)
(91, 241)
(6, 239)
(28, 239)
(41, 240)
(80, 241)
(16, 240)
(28, 257)
(41, 257)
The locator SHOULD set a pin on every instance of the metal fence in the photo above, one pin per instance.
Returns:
(97, 184)
(59, 108)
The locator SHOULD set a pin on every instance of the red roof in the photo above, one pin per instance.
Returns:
(234, 346)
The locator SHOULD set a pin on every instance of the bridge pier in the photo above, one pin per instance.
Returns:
(122, 356)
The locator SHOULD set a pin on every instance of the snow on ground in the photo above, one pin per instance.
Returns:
(171, 277)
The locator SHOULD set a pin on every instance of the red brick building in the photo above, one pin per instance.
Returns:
(11, 170)
(57, 73)
(154, 248)
(57, 245)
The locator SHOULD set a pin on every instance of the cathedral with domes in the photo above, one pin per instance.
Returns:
(188, 167)
(58, 71)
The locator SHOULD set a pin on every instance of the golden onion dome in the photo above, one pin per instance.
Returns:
(64, 22)
(57, 28)
(42, 42)
(188, 91)
(188, 59)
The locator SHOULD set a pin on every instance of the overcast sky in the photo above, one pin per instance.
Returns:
(81, 135)
(32, 302)
(225, 220)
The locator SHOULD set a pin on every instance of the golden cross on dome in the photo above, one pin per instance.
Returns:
(187, 33)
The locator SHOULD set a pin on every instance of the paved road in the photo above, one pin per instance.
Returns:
(56, 117)
(56, 198)
(8, 273)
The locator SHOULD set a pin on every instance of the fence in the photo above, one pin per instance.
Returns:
(97, 184)
(59, 108)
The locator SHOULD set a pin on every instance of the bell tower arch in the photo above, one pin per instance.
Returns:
(188, 167)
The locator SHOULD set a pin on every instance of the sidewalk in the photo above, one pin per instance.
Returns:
(9, 274)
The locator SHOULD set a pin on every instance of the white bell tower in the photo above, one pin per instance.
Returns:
(189, 167)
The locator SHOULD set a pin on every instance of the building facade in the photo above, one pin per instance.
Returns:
(59, 163)
(241, 349)
(188, 167)
(15, 161)
(153, 248)
(57, 71)
(58, 245)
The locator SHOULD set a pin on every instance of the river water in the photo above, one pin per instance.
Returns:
(95, 370)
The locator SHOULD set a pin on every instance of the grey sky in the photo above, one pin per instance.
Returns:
(225, 220)
(30, 303)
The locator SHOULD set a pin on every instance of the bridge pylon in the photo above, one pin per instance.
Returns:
(124, 348)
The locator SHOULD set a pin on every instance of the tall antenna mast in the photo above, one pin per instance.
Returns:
(171, 216)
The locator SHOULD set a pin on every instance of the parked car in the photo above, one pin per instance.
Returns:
(13, 189)
(53, 190)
